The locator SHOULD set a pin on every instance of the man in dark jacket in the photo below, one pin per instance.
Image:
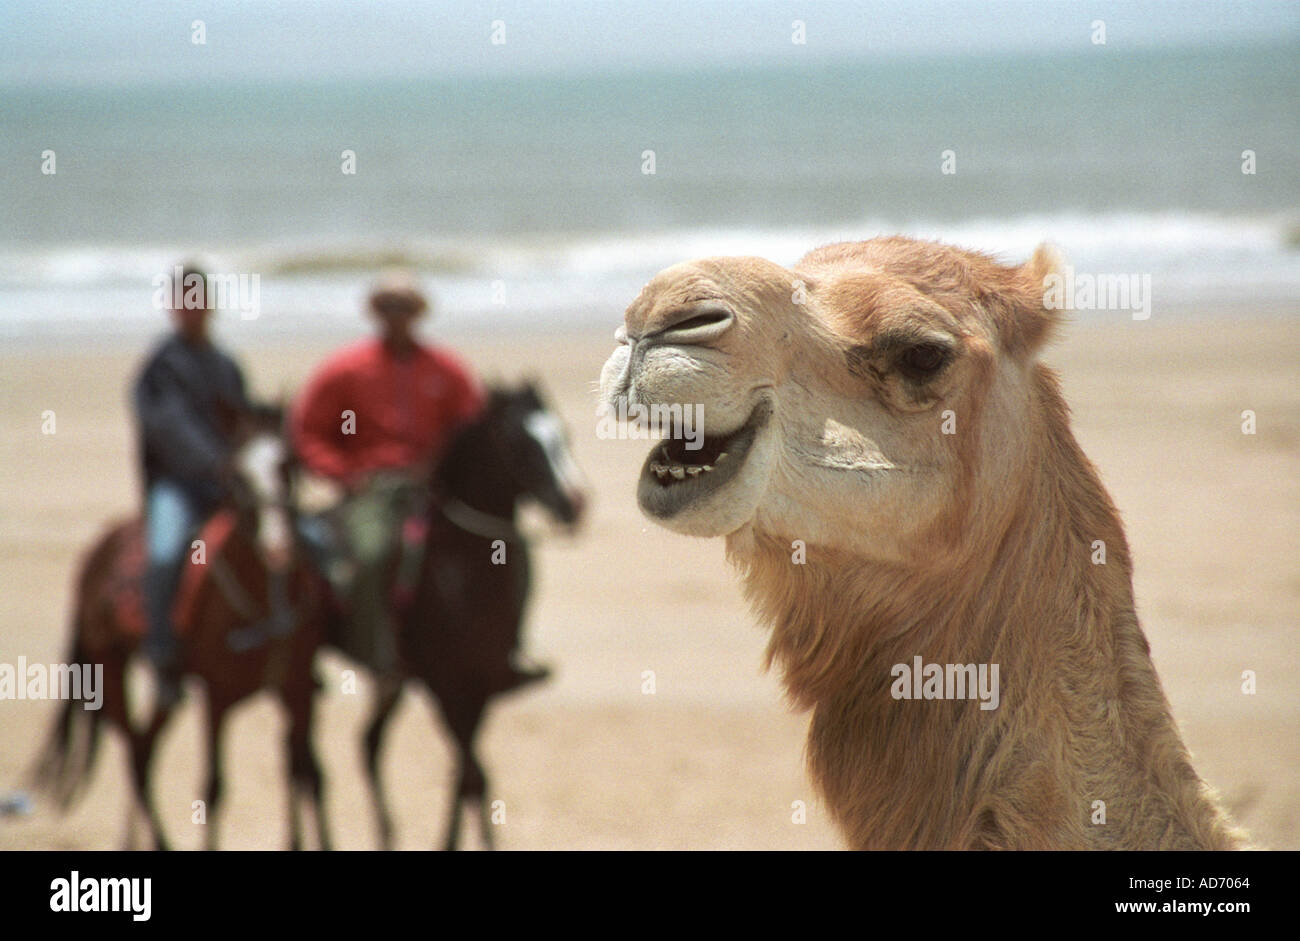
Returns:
(180, 397)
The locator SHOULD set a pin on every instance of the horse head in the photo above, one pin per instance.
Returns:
(261, 483)
(517, 450)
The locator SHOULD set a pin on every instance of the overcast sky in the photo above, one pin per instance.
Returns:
(147, 40)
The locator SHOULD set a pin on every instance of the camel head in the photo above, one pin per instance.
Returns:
(874, 398)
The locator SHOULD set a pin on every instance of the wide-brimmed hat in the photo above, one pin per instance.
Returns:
(397, 292)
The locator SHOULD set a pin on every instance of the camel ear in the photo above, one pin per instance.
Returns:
(1047, 259)
(1042, 277)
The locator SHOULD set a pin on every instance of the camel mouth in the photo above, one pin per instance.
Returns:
(675, 476)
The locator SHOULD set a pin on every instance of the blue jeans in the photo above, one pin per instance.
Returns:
(171, 519)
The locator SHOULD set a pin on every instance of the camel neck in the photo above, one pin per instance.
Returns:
(1054, 573)
(910, 761)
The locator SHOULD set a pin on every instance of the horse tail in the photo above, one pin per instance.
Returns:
(64, 766)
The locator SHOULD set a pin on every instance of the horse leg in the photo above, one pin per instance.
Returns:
(453, 823)
(318, 800)
(116, 710)
(485, 819)
(132, 824)
(387, 693)
(295, 773)
(471, 781)
(135, 813)
(316, 778)
(306, 778)
(142, 751)
(216, 777)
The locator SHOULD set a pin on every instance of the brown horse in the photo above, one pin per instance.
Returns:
(252, 616)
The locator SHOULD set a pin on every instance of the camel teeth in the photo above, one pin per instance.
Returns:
(708, 467)
(678, 472)
(693, 470)
(660, 470)
(721, 457)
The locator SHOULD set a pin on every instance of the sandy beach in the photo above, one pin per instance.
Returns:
(713, 759)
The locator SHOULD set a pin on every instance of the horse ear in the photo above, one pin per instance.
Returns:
(283, 403)
(531, 388)
(265, 415)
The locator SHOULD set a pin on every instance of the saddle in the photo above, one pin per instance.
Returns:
(323, 535)
(126, 579)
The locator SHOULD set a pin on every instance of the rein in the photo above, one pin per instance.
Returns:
(278, 621)
(228, 582)
(477, 523)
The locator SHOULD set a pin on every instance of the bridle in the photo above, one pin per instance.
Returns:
(477, 523)
(278, 621)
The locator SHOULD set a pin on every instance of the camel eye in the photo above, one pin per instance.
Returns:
(923, 361)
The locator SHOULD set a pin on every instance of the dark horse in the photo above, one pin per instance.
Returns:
(255, 614)
(460, 630)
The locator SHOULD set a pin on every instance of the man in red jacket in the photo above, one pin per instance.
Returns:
(375, 419)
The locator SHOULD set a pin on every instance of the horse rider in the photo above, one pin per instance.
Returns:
(182, 393)
(374, 419)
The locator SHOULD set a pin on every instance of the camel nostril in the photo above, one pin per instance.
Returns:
(702, 320)
(697, 323)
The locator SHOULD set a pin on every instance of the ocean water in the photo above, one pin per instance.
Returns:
(524, 200)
